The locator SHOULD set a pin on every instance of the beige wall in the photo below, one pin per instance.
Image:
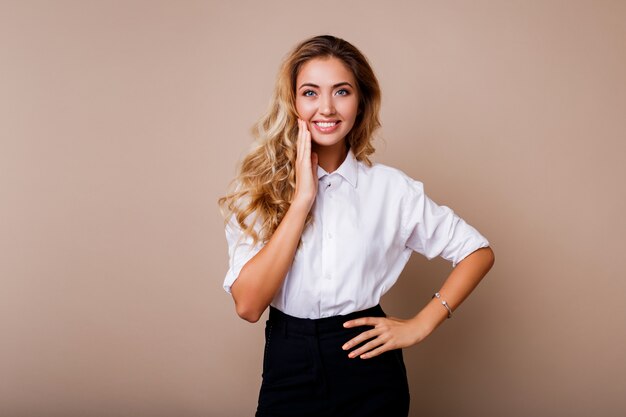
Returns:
(120, 126)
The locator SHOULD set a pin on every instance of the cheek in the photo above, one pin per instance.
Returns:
(304, 109)
(350, 109)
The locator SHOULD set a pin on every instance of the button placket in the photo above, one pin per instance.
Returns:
(328, 250)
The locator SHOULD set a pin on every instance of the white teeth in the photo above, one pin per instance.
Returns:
(326, 124)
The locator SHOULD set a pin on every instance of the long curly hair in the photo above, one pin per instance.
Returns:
(266, 181)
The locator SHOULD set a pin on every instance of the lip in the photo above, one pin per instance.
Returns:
(330, 129)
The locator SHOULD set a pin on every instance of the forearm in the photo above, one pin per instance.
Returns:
(262, 276)
(459, 284)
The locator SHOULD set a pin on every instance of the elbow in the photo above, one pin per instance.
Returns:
(483, 258)
(249, 304)
(247, 307)
(489, 258)
(492, 257)
(248, 314)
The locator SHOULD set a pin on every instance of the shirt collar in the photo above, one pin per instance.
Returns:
(348, 169)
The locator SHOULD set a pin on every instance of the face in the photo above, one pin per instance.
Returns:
(327, 99)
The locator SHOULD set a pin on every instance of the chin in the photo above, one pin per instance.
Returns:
(326, 141)
(326, 144)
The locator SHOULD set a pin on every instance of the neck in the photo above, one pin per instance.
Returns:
(330, 157)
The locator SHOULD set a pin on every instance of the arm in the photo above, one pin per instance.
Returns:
(459, 284)
(392, 333)
(262, 276)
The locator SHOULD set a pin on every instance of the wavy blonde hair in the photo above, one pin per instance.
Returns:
(266, 180)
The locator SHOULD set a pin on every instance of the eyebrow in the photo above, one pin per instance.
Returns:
(317, 86)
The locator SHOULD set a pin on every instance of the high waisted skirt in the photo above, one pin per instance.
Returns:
(307, 373)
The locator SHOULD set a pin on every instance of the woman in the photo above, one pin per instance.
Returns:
(319, 233)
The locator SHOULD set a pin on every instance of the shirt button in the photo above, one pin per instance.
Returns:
(330, 235)
(329, 277)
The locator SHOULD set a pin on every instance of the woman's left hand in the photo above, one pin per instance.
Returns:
(388, 333)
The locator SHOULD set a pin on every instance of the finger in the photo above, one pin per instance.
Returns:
(300, 143)
(307, 144)
(381, 349)
(366, 347)
(304, 148)
(305, 126)
(360, 338)
(314, 161)
(363, 321)
(303, 140)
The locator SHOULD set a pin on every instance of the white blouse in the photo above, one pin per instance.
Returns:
(367, 223)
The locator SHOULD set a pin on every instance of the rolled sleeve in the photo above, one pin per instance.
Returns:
(433, 230)
(240, 250)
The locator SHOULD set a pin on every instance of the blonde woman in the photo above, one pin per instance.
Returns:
(318, 233)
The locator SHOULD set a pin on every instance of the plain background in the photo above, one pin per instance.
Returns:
(121, 123)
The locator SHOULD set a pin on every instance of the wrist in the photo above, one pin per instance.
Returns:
(421, 327)
(301, 205)
(430, 317)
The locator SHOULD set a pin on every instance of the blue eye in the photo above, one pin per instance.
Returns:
(343, 92)
(308, 93)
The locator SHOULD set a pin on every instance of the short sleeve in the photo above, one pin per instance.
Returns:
(433, 230)
(240, 250)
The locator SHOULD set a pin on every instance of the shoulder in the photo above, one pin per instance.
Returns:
(391, 177)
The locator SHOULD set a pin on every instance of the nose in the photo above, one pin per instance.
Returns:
(327, 106)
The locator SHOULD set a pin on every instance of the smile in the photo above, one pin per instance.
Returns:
(325, 124)
(326, 127)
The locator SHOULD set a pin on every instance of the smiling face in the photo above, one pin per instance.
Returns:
(327, 99)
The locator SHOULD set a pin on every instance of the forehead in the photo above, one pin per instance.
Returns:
(324, 71)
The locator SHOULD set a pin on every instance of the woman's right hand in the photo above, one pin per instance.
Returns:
(306, 168)
(262, 276)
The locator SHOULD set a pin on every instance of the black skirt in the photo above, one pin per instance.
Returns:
(307, 373)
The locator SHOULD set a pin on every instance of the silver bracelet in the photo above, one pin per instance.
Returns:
(444, 303)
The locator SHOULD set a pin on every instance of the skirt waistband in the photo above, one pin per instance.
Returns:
(323, 325)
